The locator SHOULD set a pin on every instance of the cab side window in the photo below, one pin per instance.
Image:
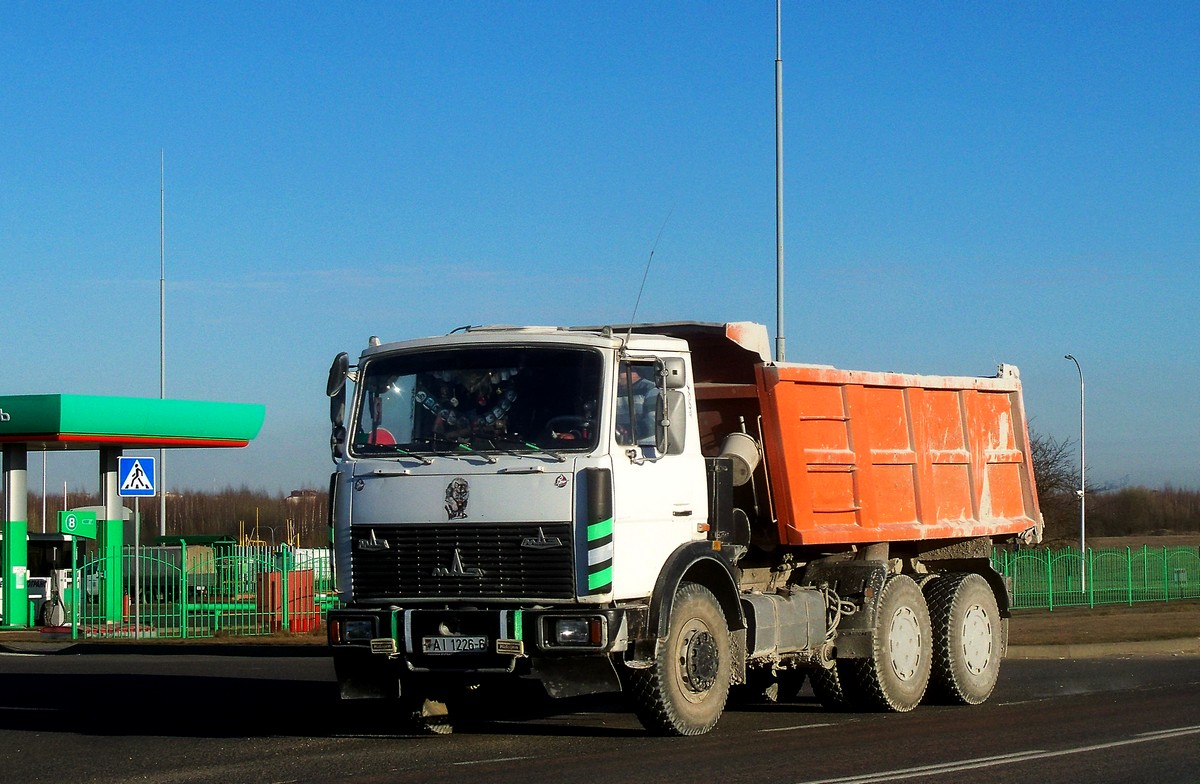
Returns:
(637, 401)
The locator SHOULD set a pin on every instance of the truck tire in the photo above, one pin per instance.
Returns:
(968, 638)
(827, 686)
(897, 673)
(684, 691)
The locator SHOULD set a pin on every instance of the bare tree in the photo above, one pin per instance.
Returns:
(1057, 477)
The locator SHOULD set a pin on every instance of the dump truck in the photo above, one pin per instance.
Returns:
(664, 511)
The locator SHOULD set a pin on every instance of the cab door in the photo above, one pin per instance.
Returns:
(659, 499)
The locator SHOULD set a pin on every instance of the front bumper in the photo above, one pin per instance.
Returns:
(451, 640)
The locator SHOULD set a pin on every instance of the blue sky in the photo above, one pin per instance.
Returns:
(966, 184)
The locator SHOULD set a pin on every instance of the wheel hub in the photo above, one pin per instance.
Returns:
(977, 640)
(700, 661)
(905, 648)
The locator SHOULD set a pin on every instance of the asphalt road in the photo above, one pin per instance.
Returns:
(273, 716)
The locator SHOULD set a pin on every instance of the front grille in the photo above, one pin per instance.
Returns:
(462, 561)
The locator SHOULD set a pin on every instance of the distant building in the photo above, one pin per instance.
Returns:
(302, 495)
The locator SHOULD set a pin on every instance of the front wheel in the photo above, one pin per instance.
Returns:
(684, 691)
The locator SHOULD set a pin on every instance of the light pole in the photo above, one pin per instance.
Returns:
(1082, 492)
(779, 337)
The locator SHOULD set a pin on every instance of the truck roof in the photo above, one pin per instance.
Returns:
(721, 352)
(717, 348)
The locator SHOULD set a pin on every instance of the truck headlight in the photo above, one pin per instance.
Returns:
(571, 631)
(576, 632)
(360, 630)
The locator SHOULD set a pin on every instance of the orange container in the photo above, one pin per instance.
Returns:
(857, 457)
(853, 457)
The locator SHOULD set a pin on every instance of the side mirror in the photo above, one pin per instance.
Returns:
(673, 373)
(670, 420)
(335, 388)
(337, 374)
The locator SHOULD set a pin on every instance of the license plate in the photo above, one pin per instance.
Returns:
(456, 644)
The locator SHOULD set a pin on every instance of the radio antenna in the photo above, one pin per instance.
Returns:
(646, 274)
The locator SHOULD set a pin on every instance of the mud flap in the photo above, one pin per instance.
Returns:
(576, 677)
(365, 677)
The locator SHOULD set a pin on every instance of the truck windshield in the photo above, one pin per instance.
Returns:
(492, 399)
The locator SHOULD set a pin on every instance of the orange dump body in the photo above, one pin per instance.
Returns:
(857, 457)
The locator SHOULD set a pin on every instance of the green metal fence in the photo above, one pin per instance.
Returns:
(1065, 578)
(191, 591)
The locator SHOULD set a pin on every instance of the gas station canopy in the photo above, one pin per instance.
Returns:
(107, 425)
(62, 422)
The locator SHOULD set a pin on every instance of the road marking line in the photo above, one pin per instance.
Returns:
(1005, 759)
(797, 727)
(490, 761)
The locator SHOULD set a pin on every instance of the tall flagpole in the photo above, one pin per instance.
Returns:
(162, 333)
(779, 338)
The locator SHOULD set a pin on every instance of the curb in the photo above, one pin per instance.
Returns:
(166, 648)
(1186, 646)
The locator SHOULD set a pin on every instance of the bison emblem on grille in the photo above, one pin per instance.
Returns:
(457, 494)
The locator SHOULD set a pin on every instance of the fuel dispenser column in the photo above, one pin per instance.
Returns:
(16, 534)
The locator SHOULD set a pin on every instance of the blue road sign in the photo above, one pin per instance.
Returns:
(135, 476)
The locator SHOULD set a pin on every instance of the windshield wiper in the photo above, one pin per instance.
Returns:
(532, 447)
(451, 446)
(463, 445)
(386, 450)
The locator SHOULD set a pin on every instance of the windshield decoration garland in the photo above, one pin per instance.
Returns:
(484, 387)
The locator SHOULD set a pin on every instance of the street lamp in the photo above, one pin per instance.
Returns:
(1082, 492)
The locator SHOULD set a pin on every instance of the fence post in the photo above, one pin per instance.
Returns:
(183, 590)
(285, 562)
(1049, 581)
(1145, 570)
(1166, 580)
(1129, 575)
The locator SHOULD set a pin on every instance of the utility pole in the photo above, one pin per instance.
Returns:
(162, 334)
(780, 341)
(1082, 492)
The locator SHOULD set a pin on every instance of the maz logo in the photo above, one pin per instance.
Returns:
(456, 568)
(542, 542)
(373, 545)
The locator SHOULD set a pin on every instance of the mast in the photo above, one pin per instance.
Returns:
(162, 334)
(779, 336)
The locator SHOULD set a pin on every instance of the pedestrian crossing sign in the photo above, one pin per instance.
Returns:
(135, 476)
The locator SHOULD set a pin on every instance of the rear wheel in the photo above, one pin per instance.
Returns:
(684, 691)
(895, 676)
(968, 638)
(827, 686)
